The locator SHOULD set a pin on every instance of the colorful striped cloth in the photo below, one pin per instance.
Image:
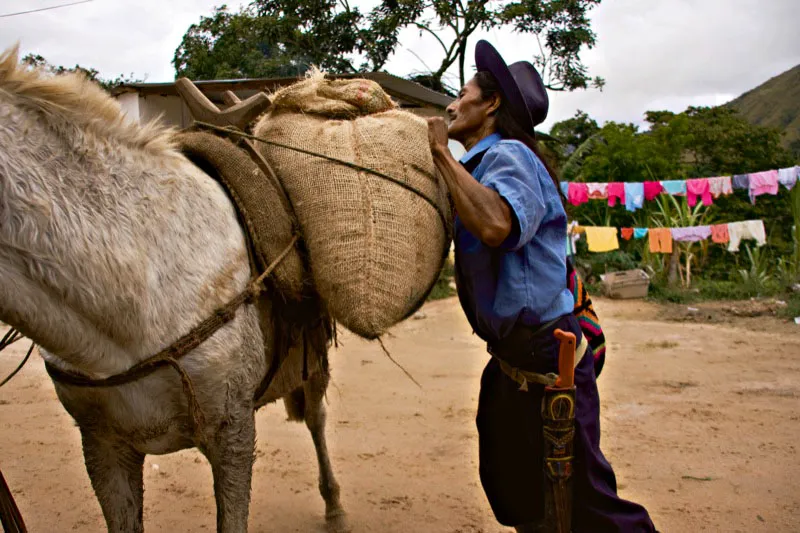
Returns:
(587, 318)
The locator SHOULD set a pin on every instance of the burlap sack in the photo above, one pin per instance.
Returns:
(375, 248)
(268, 225)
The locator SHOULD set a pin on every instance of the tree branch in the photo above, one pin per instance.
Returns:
(424, 27)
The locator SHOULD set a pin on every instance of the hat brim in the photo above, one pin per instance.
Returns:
(488, 59)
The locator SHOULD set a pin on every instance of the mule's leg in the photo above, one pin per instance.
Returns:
(315, 415)
(115, 470)
(231, 456)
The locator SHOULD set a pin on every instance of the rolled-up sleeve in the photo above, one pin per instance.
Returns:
(513, 172)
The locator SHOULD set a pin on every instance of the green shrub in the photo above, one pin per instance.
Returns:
(601, 263)
(662, 292)
(792, 308)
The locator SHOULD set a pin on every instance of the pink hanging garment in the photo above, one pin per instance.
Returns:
(652, 189)
(698, 187)
(616, 191)
(763, 183)
(578, 193)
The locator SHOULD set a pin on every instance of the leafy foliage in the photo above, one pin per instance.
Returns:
(38, 61)
(757, 277)
(573, 135)
(284, 37)
(561, 29)
(270, 38)
(564, 27)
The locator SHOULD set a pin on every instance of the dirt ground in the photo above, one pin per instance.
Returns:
(701, 421)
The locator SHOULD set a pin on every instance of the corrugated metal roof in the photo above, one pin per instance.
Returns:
(409, 93)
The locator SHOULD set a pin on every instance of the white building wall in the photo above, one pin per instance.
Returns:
(129, 102)
(170, 108)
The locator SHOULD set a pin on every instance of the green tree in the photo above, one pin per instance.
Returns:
(38, 61)
(574, 131)
(284, 37)
(561, 29)
(572, 138)
(275, 38)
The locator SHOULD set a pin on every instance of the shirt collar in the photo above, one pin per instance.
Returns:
(481, 146)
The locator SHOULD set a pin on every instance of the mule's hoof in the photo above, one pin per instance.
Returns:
(336, 522)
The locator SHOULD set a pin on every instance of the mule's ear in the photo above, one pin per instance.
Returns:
(239, 114)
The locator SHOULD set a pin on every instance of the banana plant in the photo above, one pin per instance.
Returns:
(672, 213)
(757, 277)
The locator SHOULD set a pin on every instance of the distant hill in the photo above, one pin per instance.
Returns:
(775, 103)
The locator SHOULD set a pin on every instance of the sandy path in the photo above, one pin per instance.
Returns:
(701, 422)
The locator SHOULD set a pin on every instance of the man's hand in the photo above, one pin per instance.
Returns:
(437, 134)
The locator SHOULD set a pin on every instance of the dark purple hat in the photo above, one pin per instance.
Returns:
(520, 84)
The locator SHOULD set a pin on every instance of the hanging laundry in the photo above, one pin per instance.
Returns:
(698, 187)
(674, 187)
(719, 233)
(660, 241)
(691, 233)
(720, 185)
(749, 229)
(626, 233)
(788, 176)
(652, 189)
(578, 193)
(741, 181)
(634, 196)
(601, 239)
(565, 188)
(616, 191)
(763, 183)
(598, 191)
(639, 233)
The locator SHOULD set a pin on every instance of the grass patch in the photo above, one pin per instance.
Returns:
(704, 290)
(792, 308)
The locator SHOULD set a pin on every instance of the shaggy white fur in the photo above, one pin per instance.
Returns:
(113, 245)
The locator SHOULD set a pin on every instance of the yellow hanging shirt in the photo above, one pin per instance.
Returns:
(601, 239)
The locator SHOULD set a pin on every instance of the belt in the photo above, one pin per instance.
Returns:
(523, 377)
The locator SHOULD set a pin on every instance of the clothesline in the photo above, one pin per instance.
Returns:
(604, 238)
(633, 194)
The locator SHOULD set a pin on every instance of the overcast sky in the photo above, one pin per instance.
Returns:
(654, 54)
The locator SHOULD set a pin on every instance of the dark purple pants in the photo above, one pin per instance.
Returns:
(510, 437)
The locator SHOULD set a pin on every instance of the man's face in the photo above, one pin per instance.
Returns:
(468, 112)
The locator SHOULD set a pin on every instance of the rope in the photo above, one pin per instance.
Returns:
(233, 131)
(11, 336)
(406, 372)
(170, 355)
(24, 360)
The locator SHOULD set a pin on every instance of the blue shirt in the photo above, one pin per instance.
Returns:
(525, 279)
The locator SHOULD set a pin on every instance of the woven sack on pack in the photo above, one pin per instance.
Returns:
(375, 248)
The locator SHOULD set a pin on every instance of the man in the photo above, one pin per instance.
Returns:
(511, 273)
